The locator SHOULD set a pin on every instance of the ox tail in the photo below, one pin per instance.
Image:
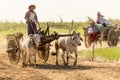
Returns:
(54, 53)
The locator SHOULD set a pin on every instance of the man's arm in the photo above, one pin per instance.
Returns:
(36, 18)
(27, 16)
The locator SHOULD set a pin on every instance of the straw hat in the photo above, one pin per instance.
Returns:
(32, 6)
(98, 13)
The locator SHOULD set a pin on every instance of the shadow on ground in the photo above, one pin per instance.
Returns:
(61, 67)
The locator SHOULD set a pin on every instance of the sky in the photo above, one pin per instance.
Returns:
(50, 10)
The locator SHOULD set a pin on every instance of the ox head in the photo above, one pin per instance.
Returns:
(76, 38)
(36, 39)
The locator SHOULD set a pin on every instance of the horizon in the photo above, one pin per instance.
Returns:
(77, 10)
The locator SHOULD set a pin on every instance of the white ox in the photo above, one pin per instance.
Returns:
(28, 47)
(68, 44)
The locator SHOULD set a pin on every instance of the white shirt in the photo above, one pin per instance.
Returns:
(103, 20)
(92, 29)
(32, 17)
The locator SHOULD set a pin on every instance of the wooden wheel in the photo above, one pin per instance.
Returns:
(13, 52)
(44, 50)
(13, 49)
(112, 38)
(43, 53)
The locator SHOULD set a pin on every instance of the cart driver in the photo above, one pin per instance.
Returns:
(93, 31)
(102, 20)
(31, 19)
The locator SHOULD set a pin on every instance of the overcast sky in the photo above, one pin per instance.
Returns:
(50, 10)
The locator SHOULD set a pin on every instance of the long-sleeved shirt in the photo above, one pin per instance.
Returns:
(102, 20)
(92, 29)
(31, 15)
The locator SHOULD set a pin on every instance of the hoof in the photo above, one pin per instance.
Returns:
(57, 64)
(29, 62)
(74, 64)
(64, 64)
(23, 65)
(35, 66)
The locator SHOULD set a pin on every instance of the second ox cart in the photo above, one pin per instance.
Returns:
(109, 34)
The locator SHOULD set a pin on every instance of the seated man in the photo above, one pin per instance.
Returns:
(93, 31)
(102, 20)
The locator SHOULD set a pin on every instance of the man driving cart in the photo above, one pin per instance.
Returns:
(31, 19)
(93, 31)
(101, 20)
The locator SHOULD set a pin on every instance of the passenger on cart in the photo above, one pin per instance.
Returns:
(93, 31)
(101, 20)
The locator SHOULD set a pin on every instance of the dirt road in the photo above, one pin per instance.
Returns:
(84, 70)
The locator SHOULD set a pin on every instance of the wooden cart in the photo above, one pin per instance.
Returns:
(13, 49)
(109, 34)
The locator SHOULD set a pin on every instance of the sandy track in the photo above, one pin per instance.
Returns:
(84, 70)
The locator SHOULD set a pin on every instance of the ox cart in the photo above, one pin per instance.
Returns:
(109, 34)
(13, 48)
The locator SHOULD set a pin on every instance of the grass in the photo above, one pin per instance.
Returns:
(13, 27)
(110, 54)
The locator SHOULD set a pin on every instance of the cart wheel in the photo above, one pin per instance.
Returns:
(13, 52)
(87, 42)
(43, 53)
(112, 38)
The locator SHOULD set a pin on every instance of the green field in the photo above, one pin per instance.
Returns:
(13, 27)
(107, 54)
(60, 27)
